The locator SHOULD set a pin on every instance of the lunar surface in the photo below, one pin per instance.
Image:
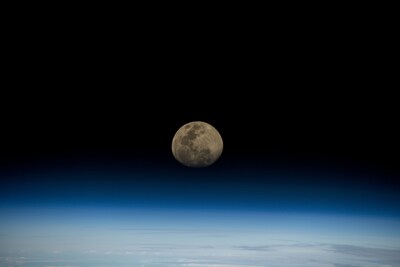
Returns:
(197, 144)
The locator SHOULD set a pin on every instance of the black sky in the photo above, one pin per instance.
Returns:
(306, 106)
(301, 93)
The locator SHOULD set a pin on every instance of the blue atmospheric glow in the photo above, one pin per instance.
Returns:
(157, 218)
(256, 191)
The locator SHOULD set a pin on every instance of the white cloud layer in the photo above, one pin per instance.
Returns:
(160, 255)
(218, 241)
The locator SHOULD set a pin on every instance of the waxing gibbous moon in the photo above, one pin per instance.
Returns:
(197, 144)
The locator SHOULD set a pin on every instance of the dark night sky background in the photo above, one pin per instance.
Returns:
(306, 115)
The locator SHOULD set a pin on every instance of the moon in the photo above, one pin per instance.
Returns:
(197, 144)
